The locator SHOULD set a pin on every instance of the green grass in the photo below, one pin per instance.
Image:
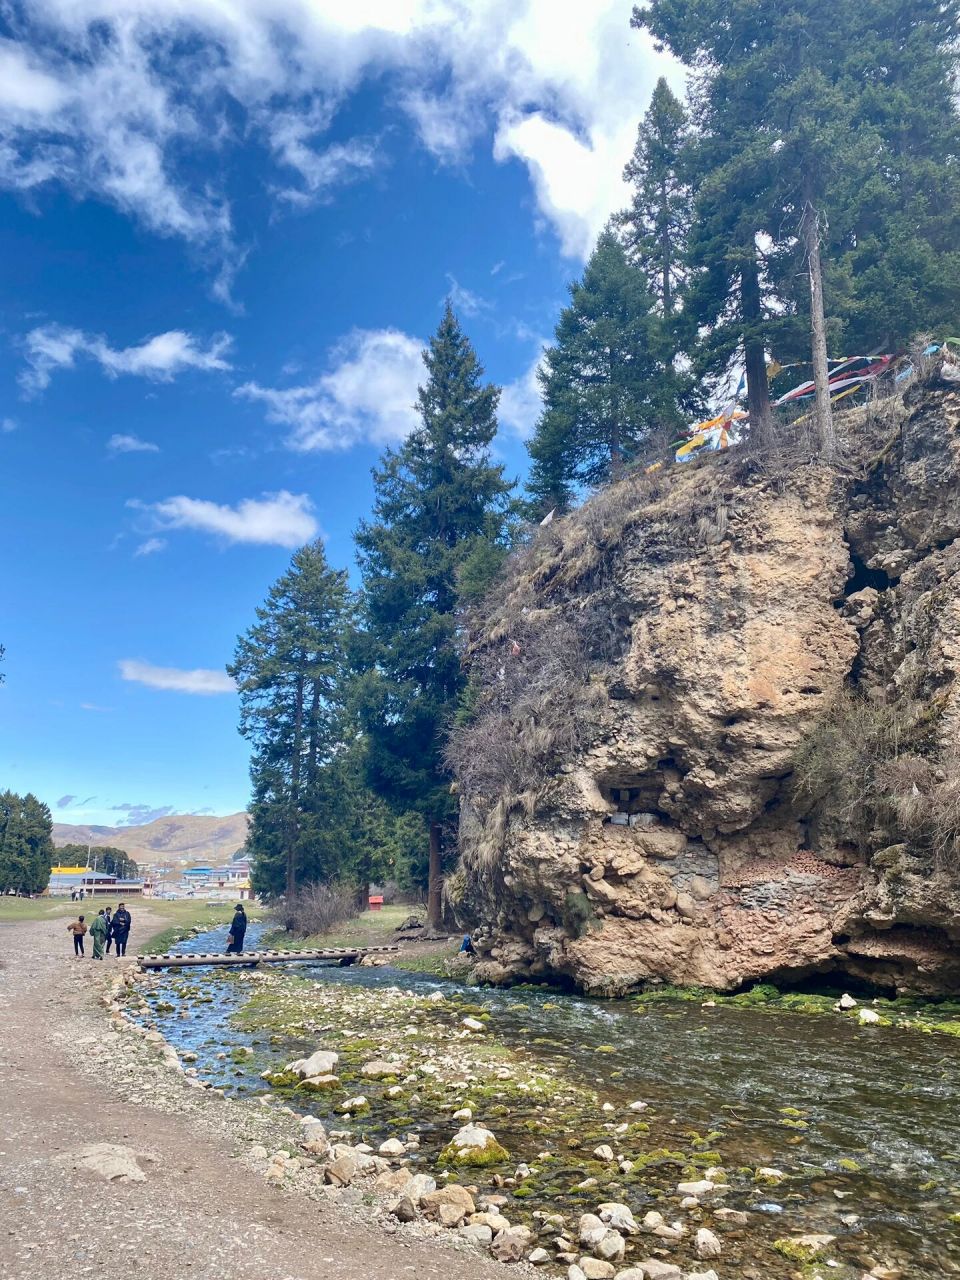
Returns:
(169, 921)
(367, 929)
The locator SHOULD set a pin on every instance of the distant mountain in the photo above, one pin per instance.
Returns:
(182, 838)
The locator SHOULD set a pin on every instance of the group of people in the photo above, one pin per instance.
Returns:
(107, 929)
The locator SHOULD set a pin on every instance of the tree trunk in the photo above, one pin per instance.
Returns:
(293, 816)
(435, 881)
(822, 411)
(666, 254)
(363, 895)
(755, 357)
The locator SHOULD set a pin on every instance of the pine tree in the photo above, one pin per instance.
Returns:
(26, 843)
(604, 381)
(830, 132)
(439, 500)
(290, 669)
(658, 219)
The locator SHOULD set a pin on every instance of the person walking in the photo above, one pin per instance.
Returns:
(78, 929)
(121, 929)
(109, 919)
(238, 927)
(98, 932)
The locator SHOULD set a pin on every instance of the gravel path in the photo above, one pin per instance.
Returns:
(72, 1076)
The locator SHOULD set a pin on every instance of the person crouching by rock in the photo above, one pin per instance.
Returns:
(120, 929)
(238, 927)
(98, 932)
(78, 929)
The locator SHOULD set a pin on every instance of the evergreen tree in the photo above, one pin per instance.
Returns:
(26, 843)
(290, 669)
(658, 219)
(818, 128)
(440, 506)
(604, 381)
(113, 862)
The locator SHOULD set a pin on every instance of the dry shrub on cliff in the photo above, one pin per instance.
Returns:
(534, 704)
(925, 797)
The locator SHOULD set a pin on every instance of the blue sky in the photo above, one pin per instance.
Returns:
(226, 237)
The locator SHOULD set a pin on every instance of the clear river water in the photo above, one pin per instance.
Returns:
(883, 1098)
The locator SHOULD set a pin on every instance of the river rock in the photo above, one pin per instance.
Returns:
(805, 1248)
(321, 1063)
(474, 1145)
(619, 1217)
(590, 1228)
(702, 1275)
(359, 1103)
(699, 1189)
(392, 1147)
(341, 1171)
(512, 1245)
(736, 1217)
(473, 1024)
(868, 1016)
(420, 1185)
(319, 1084)
(846, 1002)
(575, 1273)
(495, 1221)
(707, 1245)
(603, 1152)
(464, 1115)
(450, 1205)
(380, 1069)
(476, 1233)
(610, 1247)
(394, 1181)
(538, 1257)
(597, 1269)
(404, 1210)
(654, 1269)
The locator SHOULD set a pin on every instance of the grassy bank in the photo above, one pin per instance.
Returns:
(376, 929)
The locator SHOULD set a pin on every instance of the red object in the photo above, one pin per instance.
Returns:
(376, 904)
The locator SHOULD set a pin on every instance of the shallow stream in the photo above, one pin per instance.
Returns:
(863, 1120)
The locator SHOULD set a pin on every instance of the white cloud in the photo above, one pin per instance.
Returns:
(276, 519)
(142, 103)
(368, 395)
(521, 402)
(7, 425)
(131, 444)
(464, 301)
(201, 681)
(150, 546)
(162, 357)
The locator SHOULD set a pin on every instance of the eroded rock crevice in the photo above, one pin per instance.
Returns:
(673, 843)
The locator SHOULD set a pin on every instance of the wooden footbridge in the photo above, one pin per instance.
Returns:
(338, 955)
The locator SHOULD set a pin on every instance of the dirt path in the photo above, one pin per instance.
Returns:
(201, 1212)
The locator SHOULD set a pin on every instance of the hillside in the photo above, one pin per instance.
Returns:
(181, 838)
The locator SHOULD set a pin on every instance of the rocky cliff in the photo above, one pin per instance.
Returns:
(717, 723)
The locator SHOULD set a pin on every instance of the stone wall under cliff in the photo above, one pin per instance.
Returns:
(649, 674)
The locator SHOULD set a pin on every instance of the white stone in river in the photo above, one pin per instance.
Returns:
(392, 1147)
(597, 1269)
(703, 1187)
(619, 1217)
(608, 1106)
(603, 1152)
(638, 1106)
(473, 1137)
(869, 1015)
(610, 1246)
(538, 1257)
(846, 1002)
(651, 1221)
(473, 1024)
(463, 1114)
(321, 1063)
(707, 1244)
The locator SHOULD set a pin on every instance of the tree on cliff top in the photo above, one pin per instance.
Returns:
(604, 382)
(440, 514)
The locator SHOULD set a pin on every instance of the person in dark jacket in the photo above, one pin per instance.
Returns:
(238, 927)
(120, 929)
(108, 916)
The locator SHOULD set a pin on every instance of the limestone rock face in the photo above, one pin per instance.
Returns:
(723, 613)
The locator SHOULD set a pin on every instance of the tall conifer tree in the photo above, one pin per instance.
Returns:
(26, 843)
(604, 380)
(440, 508)
(290, 669)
